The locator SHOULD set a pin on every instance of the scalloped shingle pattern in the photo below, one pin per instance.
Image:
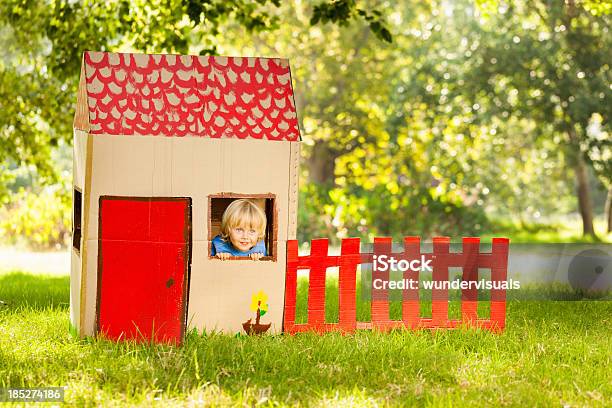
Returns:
(185, 95)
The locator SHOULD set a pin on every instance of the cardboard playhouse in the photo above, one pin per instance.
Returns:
(162, 145)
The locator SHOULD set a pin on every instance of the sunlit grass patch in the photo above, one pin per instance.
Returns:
(552, 353)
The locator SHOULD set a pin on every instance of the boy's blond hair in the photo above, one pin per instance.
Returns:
(243, 213)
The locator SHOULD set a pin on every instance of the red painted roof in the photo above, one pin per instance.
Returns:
(185, 95)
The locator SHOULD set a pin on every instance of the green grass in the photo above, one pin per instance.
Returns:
(565, 230)
(551, 354)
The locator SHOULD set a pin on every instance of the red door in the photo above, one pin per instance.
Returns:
(143, 267)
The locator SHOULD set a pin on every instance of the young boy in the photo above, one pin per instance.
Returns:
(243, 228)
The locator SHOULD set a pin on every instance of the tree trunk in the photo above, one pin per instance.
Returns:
(322, 163)
(609, 209)
(584, 196)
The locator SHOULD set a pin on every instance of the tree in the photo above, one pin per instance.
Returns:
(440, 132)
(44, 41)
(402, 139)
(557, 73)
(549, 62)
(366, 174)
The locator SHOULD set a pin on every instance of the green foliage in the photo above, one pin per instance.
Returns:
(42, 45)
(549, 63)
(598, 7)
(343, 11)
(475, 111)
(40, 221)
(409, 139)
(314, 199)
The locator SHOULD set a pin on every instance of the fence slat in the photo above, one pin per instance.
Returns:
(410, 296)
(316, 286)
(439, 296)
(319, 260)
(499, 273)
(347, 283)
(469, 296)
(380, 297)
(290, 285)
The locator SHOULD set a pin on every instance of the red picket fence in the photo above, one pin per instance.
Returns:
(470, 259)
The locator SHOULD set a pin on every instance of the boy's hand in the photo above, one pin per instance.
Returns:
(224, 256)
(256, 256)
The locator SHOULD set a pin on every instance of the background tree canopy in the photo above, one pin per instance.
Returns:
(418, 117)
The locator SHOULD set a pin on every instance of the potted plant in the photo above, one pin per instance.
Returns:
(259, 305)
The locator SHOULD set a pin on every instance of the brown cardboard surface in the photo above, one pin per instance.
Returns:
(103, 179)
(85, 270)
(184, 180)
(220, 291)
(143, 166)
(88, 304)
(75, 289)
(162, 165)
(294, 172)
(195, 167)
(136, 166)
(79, 157)
(81, 115)
(122, 166)
(132, 165)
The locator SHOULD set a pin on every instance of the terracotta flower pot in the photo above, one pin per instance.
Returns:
(255, 328)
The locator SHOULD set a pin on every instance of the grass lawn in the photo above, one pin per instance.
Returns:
(551, 354)
(565, 229)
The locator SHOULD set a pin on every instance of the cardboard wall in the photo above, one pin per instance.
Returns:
(79, 164)
(81, 114)
(79, 154)
(294, 172)
(220, 291)
(75, 289)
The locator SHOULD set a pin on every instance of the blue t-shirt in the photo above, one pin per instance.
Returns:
(220, 246)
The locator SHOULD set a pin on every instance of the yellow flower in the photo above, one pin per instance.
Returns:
(259, 299)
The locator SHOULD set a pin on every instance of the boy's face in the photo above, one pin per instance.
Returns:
(243, 238)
